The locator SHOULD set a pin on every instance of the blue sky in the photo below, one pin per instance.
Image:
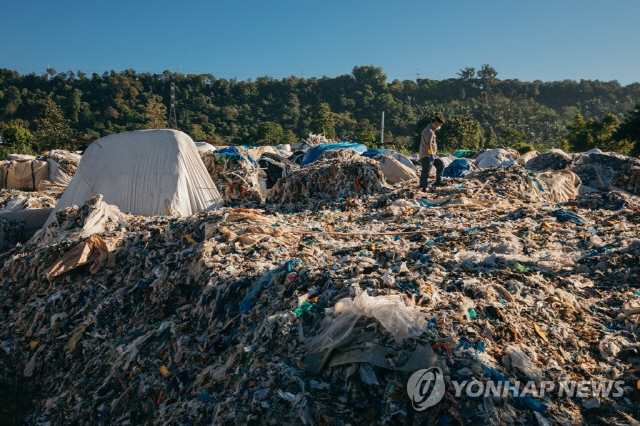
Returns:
(524, 39)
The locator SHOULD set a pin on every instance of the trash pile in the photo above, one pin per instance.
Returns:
(28, 173)
(235, 176)
(11, 233)
(341, 173)
(62, 166)
(555, 160)
(320, 314)
(12, 200)
(628, 178)
(517, 183)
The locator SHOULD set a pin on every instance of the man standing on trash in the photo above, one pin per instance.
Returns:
(428, 150)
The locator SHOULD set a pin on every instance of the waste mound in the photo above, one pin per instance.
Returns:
(548, 161)
(14, 200)
(342, 173)
(62, 166)
(235, 175)
(323, 315)
(11, 233)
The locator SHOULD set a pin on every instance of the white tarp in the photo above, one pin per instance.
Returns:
(146, 172)
(394, 171)
(495, 157)
(204, 146)
(526, 157)
(401, 158)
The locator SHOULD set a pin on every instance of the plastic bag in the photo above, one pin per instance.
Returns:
(515, 359)
(392, 312)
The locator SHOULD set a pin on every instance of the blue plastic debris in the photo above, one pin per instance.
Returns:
(458, 168)
(313, 153)
(428, 204)
(246, 304)
(566, 216)
(525, 401)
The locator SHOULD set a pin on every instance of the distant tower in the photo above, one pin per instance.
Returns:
(173, 120)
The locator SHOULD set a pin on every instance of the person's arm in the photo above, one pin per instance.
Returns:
(431, 138)
(433, 147)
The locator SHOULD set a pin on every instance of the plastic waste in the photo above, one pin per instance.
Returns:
(567, 216)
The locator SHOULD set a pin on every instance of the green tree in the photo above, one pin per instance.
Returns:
(467, 73)
(460, 132)
(512, 138)
(366, 134)
(52, 129)
(629, 130)
(155, 115)
(18, 140)
(585, 135)
(197, 133)
(323, 121)
(488, 77)
(270, 133)
(491, 139)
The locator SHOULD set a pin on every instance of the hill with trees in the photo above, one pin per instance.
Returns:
(69, 110)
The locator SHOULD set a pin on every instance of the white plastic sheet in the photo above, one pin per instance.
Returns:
(146, 172)
(495, 157)
(395, 313)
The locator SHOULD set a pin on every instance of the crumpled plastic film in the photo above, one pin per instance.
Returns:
(392, 312)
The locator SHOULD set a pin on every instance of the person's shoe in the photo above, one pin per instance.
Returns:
(438, 184)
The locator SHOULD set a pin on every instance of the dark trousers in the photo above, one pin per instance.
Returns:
(424, 173)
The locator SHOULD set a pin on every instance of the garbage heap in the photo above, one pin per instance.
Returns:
(340, 173)
(597, 170)
(28, 173)
(62, 166)
(11, 233)
(321, 317)
(235, 175)
(15, 200)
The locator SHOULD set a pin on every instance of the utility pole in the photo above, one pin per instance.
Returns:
(382, 131)
(173, 120)
(418, 74)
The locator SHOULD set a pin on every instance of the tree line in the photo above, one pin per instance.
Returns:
(68, 110)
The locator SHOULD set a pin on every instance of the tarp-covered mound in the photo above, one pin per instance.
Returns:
(317, 152)
(146, 172)
(346, 174)
(24, 174)
(495, 157)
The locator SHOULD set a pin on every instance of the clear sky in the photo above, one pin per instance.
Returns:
(529, 40)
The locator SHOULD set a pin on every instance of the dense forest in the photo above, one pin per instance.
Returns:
(69, 110)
